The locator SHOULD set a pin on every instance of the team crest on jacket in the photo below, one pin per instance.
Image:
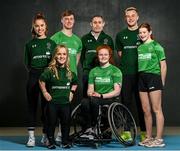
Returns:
(125, 37)
(48, 45)
(89, 40)
(106, 41)
(34, 46)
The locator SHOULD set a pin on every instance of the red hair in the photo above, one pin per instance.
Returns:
(111, 60)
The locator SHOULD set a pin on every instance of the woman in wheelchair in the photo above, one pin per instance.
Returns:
(104, 86)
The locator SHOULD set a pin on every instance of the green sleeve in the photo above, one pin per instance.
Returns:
(80, 46)
(91, 77)
(74, 79)
(45, 76)
(82, 51)
(117, 77)
(53, 48)
(111, 43)
(54, 38)
(27, 56)
(160, 52)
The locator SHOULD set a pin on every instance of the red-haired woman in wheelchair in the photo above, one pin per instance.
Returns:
(104, 86)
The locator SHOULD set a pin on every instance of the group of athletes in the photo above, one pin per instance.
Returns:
(52, 74)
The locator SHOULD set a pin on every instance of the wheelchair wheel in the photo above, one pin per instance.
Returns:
(121, 121)
(76, 122)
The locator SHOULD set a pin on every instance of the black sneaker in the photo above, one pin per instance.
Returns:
(66, 145)
(51, 146)
(51, 143)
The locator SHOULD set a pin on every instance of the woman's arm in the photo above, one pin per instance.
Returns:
(90, 90)
(112, 94)
(72, 91)
(163, 71)
(46, 94)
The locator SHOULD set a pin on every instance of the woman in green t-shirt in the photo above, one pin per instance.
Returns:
(152, 73)
(103, 86)
(58, 84)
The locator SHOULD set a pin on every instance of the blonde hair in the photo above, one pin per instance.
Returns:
(54, 64)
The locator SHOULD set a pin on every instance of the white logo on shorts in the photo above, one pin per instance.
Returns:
(151, 88)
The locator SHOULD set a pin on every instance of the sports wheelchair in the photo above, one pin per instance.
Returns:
(118, 118)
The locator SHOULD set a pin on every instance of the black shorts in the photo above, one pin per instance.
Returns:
(149, 82)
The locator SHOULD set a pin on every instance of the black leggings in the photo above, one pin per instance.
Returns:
(33, 92)
(61, 112)
(90, 109)
(130, 89)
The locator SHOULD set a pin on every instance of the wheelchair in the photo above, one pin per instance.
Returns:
(116, 120)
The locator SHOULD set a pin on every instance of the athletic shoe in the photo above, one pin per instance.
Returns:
(156, 143)
(58, 137)
(45, 140)
(66, 145)
(142, 136)
(31, 142)
(126, 136)
(146, 141)
(88, 134)
(51, 146)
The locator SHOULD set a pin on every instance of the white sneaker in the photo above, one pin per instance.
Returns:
(156, 143)
(45, 140)
(58, 137)
(88, 134)
(31, 142)
(146, 141)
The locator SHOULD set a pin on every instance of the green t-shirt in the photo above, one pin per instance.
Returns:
(38, 53)
(105, 78)
(127, 41)
(149, 57)
(73, 44)
(59, 89)
(88, 55)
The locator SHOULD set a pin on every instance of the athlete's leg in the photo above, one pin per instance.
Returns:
(86, 113)
(85, 85)
(155, 97)
(51, 113)
(127, 91)
(32, 98)
(139, 106)
(64, 114)
(43, 115)
(147, 112)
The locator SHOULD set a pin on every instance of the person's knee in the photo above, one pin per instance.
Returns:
(85, 103)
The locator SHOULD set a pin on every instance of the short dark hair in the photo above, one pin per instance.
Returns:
(97, 16)
(67, 13)
(131, 8)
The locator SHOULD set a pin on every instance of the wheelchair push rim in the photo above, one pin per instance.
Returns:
(121, 121)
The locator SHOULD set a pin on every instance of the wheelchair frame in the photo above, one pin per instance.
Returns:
(120, 119)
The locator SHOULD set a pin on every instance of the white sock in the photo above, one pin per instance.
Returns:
(44, 135)
(31, 134)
